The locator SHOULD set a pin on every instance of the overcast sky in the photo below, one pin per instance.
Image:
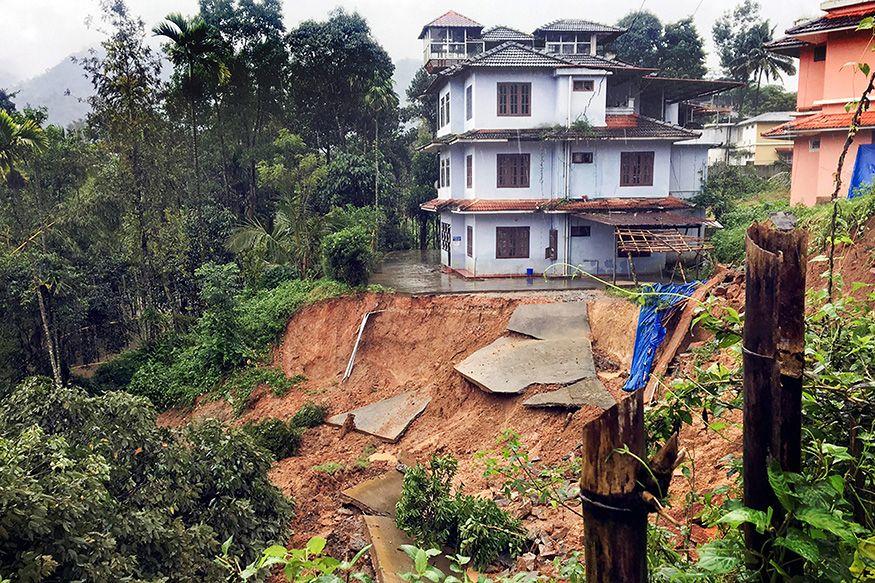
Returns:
(37, 34)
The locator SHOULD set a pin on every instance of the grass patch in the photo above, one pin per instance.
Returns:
(240, 384)
(281, 439)
(329, 468)
(310, 415)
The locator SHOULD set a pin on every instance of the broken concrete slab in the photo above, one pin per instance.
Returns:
(387, 419)
(551, 321)
(377, 496)
(510, 365)
(588, 392)
(386, 555)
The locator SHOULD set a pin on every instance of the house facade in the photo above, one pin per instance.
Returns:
(547, 149)
(826, 48)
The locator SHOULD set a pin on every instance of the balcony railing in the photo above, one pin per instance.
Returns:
(460, 50)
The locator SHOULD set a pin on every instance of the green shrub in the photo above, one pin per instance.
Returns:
(485, 531)
(729, 241)
(234, 330)
(728, 185)
(309, 415)
(118, 372)
(240, 384)
(347, 255)
(94, 490)
(278, 437)
(475, 527)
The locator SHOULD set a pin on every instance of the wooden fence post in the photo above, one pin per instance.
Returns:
(773, 353)
(614, 517)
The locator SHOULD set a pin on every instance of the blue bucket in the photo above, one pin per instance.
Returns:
(530, 271)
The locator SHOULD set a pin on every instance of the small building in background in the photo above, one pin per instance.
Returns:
(743, 143)
(827, 84)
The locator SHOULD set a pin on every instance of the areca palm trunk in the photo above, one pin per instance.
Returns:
(50, 336)
(376, 181)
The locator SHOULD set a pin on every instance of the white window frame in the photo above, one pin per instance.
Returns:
(572, 43)
(814, 144)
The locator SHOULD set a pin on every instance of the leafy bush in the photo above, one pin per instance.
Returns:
(347, 255)
(425, 510)
(309, 415)
(729, 241)
(118, 372)
(233, 331)
(92, 489)
(475, 527)
(278, 437)
(240, 384)
(728, 185)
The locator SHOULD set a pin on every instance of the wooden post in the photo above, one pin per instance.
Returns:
(773, 352)
(614, 517)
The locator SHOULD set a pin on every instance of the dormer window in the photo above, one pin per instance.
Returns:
(570, 43)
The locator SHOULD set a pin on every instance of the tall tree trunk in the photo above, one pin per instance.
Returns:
(376, 182)
(756, 100)
(50, 336)
(194, 151)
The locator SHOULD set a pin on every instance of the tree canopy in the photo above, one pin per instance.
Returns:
(675, 50)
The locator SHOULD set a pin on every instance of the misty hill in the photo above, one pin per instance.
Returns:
(405, 70)
(62, 90)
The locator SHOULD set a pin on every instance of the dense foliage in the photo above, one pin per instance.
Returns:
(828, 526)
(475, 527)
(93, 489)
(262, 142)
(677, 50)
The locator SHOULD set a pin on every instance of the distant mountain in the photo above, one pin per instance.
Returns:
(63, 90)
(405, 70)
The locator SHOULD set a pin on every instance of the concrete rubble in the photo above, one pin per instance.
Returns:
(387, 419)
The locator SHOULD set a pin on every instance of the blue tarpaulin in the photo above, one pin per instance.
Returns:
(864, 169)
(651, 330)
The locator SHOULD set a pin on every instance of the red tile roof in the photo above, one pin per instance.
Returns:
(557, 205)
(621, 121)
(451, 19)
(623, 204)
(864, 9)
(820, 122)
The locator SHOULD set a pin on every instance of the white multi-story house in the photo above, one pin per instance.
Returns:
(546, 147)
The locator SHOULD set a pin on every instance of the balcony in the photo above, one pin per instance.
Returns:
(440, 55)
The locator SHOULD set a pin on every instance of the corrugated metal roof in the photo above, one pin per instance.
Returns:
(501, 33)
(823, 121)
(769, 117)
(645, 219)
(577, 25)
(451, 19)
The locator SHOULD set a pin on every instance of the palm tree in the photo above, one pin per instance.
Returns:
(759, 63)
(17, 141)
(380, 98)
(196, 48)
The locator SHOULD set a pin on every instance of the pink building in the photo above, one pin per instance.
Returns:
(826, 47)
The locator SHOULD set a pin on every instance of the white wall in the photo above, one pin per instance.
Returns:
(596, 254)
(689, 169)
(486, 170)
(608, 168)
(584, 105)
(456, 88)
(485, 262)
(486, 99)
(675, 169)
